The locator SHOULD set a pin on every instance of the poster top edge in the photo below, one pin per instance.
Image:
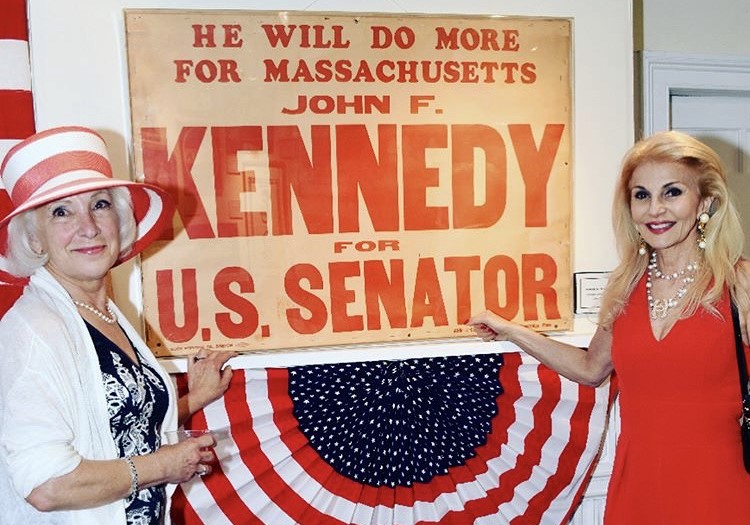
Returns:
(172, 11)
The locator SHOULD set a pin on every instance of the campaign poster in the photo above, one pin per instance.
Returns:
(345, 179)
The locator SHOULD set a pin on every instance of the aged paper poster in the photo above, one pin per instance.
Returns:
(349, 179)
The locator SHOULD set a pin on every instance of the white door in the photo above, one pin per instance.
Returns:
(722, 122)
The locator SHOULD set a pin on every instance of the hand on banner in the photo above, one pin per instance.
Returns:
(208, 379)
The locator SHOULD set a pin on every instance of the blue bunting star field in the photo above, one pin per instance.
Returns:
(393, 423)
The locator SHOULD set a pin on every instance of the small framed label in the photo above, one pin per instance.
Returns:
(589, 287)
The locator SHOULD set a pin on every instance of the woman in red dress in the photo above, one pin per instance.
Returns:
(665, 327)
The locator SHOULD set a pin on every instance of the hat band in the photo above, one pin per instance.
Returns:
(48, 174)
(90, 182)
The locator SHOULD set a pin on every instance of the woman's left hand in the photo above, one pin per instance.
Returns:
(208, 378)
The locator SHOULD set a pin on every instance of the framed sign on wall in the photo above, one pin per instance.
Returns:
(347, 179)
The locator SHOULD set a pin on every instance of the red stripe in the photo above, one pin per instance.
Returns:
(587, 478)
(141, 203)
(526, 460)
(13, 20)
(373, 496)
(44, 134)
(221, 489)
(296, 441)
(53, 166)
(284, 496)
(8, 295)
(241, 423)
(16, 114)
(294, 505)
(182, 512)
(224, 494)
(227, 497)
(16, 120)
(569, 457)
(263, 471)
(181, 383)
(550, 383)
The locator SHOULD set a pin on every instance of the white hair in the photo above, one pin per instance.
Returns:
(23, 260)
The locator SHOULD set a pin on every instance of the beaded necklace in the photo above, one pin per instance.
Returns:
(109, 319)
(658, 308)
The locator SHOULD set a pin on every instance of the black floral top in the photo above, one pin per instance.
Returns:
(137, 400)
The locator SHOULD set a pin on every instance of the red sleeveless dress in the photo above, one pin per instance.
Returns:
(679, 456)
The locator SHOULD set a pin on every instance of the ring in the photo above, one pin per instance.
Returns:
(202, 470)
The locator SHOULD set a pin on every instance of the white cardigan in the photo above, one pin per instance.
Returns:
(53, 410)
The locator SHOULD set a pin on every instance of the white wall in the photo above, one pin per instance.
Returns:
(79, 75)
(697, 26)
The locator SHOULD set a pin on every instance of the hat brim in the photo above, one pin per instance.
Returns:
(153, 209)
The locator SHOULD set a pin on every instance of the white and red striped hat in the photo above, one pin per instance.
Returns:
(64, 161)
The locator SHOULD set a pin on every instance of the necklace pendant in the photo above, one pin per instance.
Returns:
(659, 309)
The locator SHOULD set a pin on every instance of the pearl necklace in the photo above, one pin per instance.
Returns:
(659, 308)
(109, 319)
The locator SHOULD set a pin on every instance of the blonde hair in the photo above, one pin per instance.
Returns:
(724, 236)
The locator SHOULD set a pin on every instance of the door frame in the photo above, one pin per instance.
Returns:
(664, 74)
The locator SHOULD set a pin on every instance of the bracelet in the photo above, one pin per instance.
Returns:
(133, 475)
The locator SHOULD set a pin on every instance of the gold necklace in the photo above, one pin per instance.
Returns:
(109, 319)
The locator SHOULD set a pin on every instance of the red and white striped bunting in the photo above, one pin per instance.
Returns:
(533, 467)
(16, 106)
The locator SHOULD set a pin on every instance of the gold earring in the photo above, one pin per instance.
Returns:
(702, 221)
(642, 249)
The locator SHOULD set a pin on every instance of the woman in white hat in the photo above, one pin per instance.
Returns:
(83, 401)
